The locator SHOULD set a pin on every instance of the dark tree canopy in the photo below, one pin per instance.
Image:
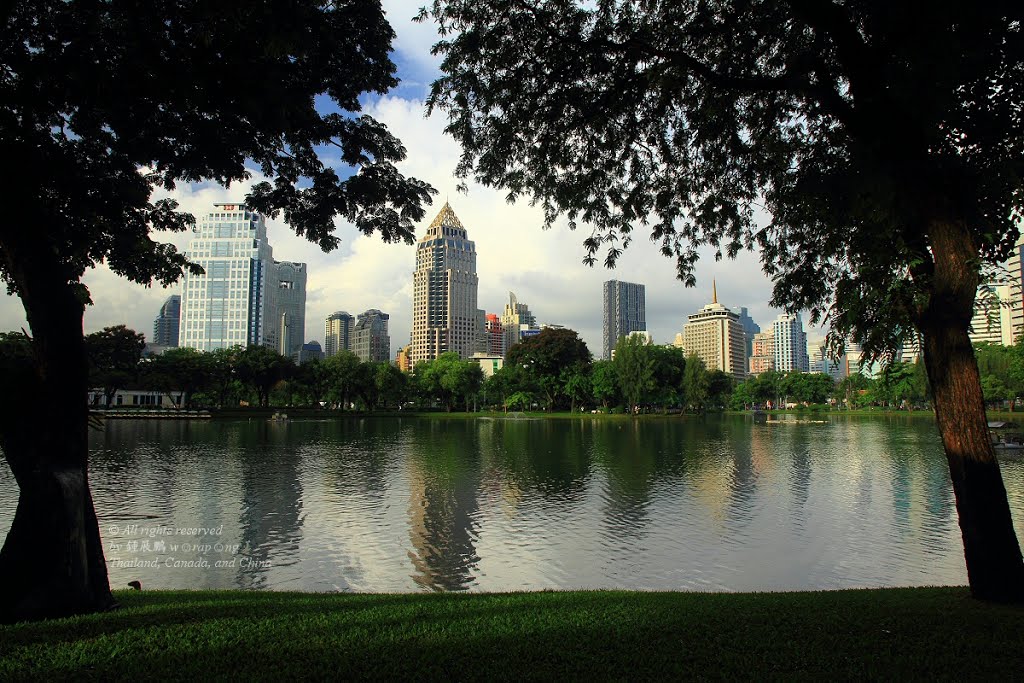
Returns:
(103, 105)
(845, 121)
(883, 140)
(104, 102)
(114, 354)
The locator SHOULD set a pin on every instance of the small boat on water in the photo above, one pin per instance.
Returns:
(1006, 437)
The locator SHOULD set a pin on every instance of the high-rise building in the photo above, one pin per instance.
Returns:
(338, 330)
(517, 322)
(403, 358)
(165, 327)
(290, 306)
(993, 315)
(1014, 277)
(495, 335)
(762, 356)
(232, 303)
(716, 336)
(750, 328)
(821, 362)
(370, 339)
(790, 343)
(445, 316)
(624, 312)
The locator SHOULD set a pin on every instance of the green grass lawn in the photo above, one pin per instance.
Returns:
(933, 633)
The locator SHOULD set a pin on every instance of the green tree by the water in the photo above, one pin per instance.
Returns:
(114, 354)
(634, 369)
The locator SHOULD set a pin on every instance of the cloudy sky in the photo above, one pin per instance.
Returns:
(543, 268)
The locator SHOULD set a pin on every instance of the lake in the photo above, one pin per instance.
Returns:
(491, 504)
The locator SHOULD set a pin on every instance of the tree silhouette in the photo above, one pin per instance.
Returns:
(101, 104)
(885, 142)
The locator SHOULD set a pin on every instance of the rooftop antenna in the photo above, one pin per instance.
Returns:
(714, 292)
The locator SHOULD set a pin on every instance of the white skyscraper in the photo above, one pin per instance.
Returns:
(445, 315)
(790, 343)
(233, 302)
(338, 330)
(516, 322)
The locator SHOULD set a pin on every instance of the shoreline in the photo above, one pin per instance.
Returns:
(315, 413)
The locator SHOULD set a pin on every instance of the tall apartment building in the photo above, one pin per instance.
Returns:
(290, 302)
(495, 335)
(338, 330)
(820, 361)
(790, 343)
(370, 339)
(624, 312)
(762, 356)
(993, 315)
(716, 336)
(166, 324)
(517, 322)
(445, 315)
(233, 302)
(403, 359)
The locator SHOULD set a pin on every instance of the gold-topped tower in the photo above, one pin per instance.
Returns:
(445, 316)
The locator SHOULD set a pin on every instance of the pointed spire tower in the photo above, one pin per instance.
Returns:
(715, 334)
(445, 316)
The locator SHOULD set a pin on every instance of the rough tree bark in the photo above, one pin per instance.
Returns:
(52, 563)
(995, 568)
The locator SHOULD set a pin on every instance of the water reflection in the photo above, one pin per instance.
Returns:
(495, 504)
(271, 516)
(444, 478)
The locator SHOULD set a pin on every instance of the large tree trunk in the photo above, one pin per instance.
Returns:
(52, 562)
(995, 568)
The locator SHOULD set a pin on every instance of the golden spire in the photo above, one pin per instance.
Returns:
(446, 217)
(714, 292)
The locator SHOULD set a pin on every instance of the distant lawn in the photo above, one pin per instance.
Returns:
(815, 413)
(920, 633)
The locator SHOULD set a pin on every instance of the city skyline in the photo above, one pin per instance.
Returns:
(544, 268)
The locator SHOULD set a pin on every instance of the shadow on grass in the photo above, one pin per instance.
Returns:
(887, 633)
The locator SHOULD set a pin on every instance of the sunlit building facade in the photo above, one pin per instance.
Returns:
(233, 301)
(717, 337)
(445, 315)
(762, 356)
(517, 322)
(790, 343)
(338, 329)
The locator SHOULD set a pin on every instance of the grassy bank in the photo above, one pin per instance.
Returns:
(930, 633)
(257, 413)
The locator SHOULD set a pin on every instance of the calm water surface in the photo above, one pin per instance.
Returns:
(492, 504)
